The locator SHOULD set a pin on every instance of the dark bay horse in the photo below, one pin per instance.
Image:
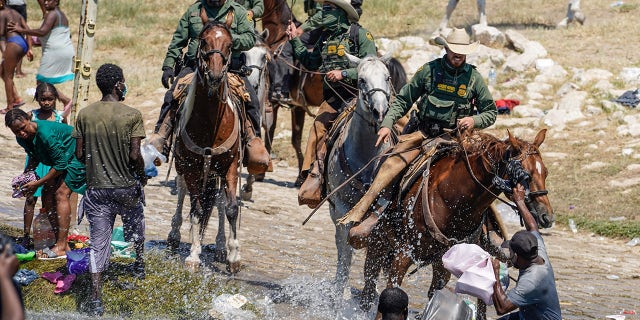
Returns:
(448, 206)
(305, 86)
(207, 148)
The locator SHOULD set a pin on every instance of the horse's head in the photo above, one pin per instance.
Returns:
(256, 59)
(214, 52)
(529, 156)
(374, 86)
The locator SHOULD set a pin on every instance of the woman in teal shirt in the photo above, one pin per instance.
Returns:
(50, 143)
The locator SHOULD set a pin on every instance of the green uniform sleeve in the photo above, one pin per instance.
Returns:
(310, 60)
(487, 111)
(413, 90)
(257, 6)
(318, 20)
(178, 42)
(244, 37)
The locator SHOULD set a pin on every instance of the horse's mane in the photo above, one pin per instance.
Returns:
(285, 12)
(213, 23)
(483, 145)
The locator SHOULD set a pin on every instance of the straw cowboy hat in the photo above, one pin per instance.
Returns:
(346, 6)
(458, 41)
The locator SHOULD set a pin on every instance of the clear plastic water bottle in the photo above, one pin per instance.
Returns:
(492, 77)
(572, 226)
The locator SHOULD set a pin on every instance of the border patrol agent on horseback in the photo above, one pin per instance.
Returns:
(186, 36)
(340, 84)
(309, 32)
(447, 90)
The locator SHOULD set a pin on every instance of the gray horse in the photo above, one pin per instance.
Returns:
(352, 150)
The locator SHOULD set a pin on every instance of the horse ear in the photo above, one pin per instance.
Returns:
(386, 58)
(512, 139)
(540, 137)
(264, 35)
(353, 60)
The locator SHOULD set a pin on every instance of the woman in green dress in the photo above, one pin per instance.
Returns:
(50, 143)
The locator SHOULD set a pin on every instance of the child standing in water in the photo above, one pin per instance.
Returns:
(13, 49)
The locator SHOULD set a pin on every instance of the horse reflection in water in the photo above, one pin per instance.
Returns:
(449, 204)
(352, 150)
(207, 150)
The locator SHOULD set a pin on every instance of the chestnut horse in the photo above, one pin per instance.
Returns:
(207, 148)
(449, 206)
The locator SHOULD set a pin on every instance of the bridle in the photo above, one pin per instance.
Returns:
(365, 97)
(203, 66)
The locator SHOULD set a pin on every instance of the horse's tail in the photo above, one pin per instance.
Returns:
(398, 74)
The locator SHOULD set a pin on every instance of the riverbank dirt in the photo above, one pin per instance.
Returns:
(595, 276)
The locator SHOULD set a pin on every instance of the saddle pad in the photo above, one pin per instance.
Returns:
(432, 151)
(180, 91)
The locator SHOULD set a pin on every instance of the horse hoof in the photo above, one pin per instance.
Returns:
(192, 266)
(234, 267)
(244, 194)
(260, 177)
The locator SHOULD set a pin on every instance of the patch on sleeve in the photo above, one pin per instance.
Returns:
(369, 36)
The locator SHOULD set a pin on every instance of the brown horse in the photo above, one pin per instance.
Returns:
(449, 206)
(207, 148)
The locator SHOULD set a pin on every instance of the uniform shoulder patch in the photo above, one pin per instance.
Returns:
(369, 36)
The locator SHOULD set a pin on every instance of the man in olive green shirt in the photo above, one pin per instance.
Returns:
(255, 8)
(449, 90)
(108, 135)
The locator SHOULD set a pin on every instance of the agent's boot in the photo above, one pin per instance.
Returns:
(257, 157)
(358, 234)
(310, 192)
(388, 173)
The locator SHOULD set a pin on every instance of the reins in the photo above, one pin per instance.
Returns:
(342, 185)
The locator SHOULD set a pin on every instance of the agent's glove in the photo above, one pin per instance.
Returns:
(167, 75)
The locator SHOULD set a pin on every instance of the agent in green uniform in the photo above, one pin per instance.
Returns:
(309, 32)
(447, 90)
(186, 36)
(329, 57)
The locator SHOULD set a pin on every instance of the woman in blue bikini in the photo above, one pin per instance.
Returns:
(56, 64)
(14, 48)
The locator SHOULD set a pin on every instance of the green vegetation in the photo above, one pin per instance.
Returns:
(613, 229)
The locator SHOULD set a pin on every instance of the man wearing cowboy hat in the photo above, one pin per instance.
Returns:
(339, 88)
(446, 90)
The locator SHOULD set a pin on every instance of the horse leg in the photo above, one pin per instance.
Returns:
(297, 125)
(481, 15)
(173, 240)
(193, 260)
(246, 192)
(345, 253)
(375, 258)
(231, 211)
(445, 21)
(481, 310)
(440, 277)
(221, 238)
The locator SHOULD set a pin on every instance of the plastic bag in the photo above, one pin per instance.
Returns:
(149, 154)
(43, 235)
(462, 256)
(478, 281)
(78, 261)
(446, 305)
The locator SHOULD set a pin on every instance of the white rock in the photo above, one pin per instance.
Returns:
(516, 39)
(591, 75)
(630, 76)
(593, 111)
(542, 64)
(525, 111)
(594, 165)
(388, 46)
(555, 155)
(516, 122)
(488, 36)
(633, 167)
(412, 41)
(567, 109)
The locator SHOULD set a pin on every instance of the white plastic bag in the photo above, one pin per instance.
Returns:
(462, 256)
(149, 154)
(478, 281)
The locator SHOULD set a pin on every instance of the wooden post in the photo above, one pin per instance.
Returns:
(84, 54)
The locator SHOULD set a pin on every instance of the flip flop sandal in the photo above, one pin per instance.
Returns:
(50, 255)
(52, 277)
(64, 284)
(5, 110)
(19, 104)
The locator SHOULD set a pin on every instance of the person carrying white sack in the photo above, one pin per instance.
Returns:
(535, 293)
